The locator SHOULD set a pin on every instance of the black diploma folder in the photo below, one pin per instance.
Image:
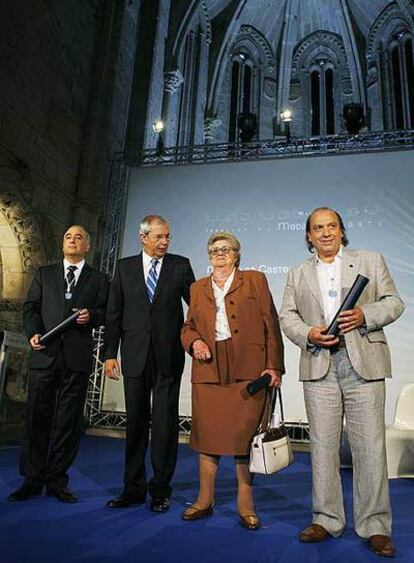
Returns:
(349, 302)
(59, 328)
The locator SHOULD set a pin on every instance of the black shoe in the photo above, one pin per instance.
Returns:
(161, 504)
(25, 491)
(62, 493)
(124, 501)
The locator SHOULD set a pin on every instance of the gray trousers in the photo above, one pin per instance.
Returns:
(343, 391)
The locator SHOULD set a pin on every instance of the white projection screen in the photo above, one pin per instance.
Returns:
(265, 203)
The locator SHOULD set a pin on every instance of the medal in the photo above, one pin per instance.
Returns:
(68, 295)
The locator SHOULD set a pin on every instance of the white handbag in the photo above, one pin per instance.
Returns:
(271, 449)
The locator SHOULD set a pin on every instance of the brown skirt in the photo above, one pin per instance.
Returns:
(224, 417)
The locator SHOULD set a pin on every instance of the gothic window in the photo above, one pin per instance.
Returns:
(399, 70)
(244, 88)
(316, 103)
(322, 110)
(390, 57)
(320, 84)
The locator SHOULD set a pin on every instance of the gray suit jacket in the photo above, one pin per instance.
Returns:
(302, 308)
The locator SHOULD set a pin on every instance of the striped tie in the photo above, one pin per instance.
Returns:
(152, 278)
(70, 277)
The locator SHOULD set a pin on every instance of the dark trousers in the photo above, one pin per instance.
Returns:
(163, 414)
(54, 423)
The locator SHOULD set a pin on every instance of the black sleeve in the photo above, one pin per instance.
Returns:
(32, 307)
(188, 280)
(97, 313)
(114, 311)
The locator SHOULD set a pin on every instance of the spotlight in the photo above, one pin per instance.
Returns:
(286, 117)
(353, 116)
(158, 127)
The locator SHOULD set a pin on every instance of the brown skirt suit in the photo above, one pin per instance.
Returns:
(224, 416)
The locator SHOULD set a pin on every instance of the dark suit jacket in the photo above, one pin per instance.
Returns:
(45, 307)
(137, 323)
(254, 326)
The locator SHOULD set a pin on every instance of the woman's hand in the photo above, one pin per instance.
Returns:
(276, 376)
(200, 350)
(111, 369)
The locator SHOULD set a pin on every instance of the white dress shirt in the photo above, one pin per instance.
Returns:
(77, 272)
(329, 277)
(222, 322)
(146, 262)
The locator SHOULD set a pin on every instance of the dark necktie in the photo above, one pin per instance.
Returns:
(70, 277)
(152, 279)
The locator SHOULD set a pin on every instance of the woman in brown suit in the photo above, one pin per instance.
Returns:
(232, 332)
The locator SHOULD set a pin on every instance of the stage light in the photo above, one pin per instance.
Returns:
(286, 117)
(242, 56)
(158, 126)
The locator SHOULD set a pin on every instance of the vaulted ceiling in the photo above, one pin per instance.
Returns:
(305, 15)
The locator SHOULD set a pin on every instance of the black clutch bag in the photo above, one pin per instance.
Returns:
(258, 384)
(59, 328)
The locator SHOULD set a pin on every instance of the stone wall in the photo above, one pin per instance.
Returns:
(65, 75)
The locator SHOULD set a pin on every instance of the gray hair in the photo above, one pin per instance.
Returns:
(81, 228)
(146, 223)
(230, 238)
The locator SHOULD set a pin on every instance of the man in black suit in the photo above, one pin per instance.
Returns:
(145, 314)
(59, 371)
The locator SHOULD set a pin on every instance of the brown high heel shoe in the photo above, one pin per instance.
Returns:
(250, 521)
(193, 512)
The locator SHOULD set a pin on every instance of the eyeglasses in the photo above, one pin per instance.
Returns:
(158, 238)
(220, 250)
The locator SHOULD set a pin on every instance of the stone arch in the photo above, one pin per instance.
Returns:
(249, 41)
(21, 250)
(185, 78)
(256, 44)
(319, 44)
(390, 21)
(319, 51)
(391, 28)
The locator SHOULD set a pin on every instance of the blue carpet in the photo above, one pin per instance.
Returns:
(43, 530)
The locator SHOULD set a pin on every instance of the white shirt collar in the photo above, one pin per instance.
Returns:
(79, 265)
(338, 257)
(226, 285)
(147, 259)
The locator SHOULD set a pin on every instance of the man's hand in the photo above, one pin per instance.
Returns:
(200, 350)
(276, 380)
(318, 337)
(111, 369)
(35, 344)
(351, 319)
(84, 317)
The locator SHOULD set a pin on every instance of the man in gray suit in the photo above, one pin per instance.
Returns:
(343, 375)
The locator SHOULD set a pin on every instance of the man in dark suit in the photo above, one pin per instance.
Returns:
(59, 371)
(145, 314)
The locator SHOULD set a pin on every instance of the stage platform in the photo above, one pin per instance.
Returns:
(43, 530)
